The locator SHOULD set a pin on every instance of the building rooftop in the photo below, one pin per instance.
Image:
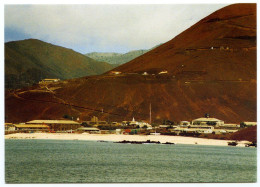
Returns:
(250, 123)
(207, 119)
(52, 122)
(28, 126)
(50, 79)
(88, 128)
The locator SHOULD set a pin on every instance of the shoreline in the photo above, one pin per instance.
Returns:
(115, 138)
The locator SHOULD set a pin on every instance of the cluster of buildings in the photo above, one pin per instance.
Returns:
(204, 125)
(43, 126)
(47, 81)
(144, 73)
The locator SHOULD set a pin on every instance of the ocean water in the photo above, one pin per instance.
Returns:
(74, 161)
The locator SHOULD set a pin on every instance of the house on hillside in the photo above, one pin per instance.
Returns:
(163, 72)
(49, 81)
(115, 72)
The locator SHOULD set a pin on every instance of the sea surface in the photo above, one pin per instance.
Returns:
(74, 161)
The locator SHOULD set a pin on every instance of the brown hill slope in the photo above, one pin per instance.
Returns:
(201, 79)
(221, 46)
(248, 134)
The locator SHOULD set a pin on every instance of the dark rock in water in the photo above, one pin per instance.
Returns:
(101, 141)
(254, 144)
(232, 143)
(168, 143)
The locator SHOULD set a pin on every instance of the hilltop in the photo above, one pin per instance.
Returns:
(209, 68)
(29, 61)
(118, 58)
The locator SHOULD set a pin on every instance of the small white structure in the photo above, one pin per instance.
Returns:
(89, 130)
(184, 123)
(141, 124)
(119, 131)
(207, 121)
(230, 125)
(163, 72)
(164, 126)
(49, 81)
(155, 133)
(248, 124)
(200, 129)
(9, 127)
(145, 73)
(115, 72)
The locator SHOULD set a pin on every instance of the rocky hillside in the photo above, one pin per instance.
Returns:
(28, 61)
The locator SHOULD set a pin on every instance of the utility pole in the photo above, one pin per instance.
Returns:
(150, 114)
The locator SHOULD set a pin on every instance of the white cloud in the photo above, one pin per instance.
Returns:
(105, 26)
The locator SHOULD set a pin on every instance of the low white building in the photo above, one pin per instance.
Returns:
(230, 125)
(141, 124)
(207, 121)
(248, 124)
(9, 127)
(91, 130)
(163, 72)
(184, 123)
(115, 72)
(205, 129)
(49, 81)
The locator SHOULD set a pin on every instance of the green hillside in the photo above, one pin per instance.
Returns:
(29, 61)
(118, 58)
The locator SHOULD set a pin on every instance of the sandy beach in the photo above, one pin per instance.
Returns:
(114, 137)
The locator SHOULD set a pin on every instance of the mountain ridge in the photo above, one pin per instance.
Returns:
(118, 58)
(28, 61)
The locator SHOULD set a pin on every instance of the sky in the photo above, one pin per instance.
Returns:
(102, 28)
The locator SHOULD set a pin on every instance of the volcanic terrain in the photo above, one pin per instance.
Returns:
(209, 68)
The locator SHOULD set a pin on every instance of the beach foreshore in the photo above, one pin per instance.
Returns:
(114, 138)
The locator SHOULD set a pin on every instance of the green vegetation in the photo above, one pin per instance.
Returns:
(118, 58)
(29, 61)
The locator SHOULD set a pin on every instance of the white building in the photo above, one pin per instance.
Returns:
(248, 124)
(49, 81)
(141, 124)
(184, 123)
(207, 121)
(163, 72)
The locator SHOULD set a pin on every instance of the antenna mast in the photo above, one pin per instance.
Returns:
(150, 114)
